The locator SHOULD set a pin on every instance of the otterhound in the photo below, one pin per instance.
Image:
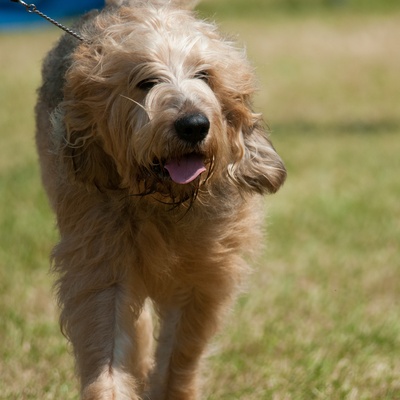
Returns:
(154, 163)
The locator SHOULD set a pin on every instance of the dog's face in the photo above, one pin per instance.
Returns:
(157, 102)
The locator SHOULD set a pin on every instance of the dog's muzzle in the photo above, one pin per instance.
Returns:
(192, 129)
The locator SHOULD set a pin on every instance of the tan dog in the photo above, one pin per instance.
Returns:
(153, 162)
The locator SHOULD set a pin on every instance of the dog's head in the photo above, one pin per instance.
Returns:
(158, 102)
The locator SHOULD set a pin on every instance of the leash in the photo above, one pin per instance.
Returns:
(31, 8)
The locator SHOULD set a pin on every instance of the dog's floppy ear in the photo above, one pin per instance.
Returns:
(83, 156)
(260, 169)
(256, 166)
(88, 163)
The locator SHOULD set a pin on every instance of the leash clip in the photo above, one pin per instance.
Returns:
(32, 9)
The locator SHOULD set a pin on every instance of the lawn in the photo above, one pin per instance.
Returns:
(321, 319)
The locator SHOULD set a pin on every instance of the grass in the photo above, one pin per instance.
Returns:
(321, 319)
(265, 8)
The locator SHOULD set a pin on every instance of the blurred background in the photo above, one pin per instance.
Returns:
(322, 317)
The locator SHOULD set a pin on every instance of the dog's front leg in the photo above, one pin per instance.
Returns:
(110, 336)
(185, 332)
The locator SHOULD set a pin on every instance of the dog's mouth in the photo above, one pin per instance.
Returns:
(181, 170)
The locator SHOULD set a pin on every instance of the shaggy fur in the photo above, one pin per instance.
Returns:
(150, 90)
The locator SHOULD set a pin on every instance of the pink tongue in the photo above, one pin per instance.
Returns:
(185, 169)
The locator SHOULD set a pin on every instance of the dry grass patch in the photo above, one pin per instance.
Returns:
(328, 70)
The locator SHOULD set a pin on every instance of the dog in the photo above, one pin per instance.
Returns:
(154, 163)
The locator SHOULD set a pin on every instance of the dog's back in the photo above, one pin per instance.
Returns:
(50, 95)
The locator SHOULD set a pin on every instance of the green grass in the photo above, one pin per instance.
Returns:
(268, 8)
(321, 320)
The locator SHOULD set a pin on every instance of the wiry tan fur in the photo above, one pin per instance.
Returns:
(128, 234)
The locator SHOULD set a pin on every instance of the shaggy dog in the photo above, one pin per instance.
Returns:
(154, 163)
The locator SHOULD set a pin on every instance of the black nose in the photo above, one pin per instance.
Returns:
(192, 128)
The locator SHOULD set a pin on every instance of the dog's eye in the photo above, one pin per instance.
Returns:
(147, 84)
(202, 75)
